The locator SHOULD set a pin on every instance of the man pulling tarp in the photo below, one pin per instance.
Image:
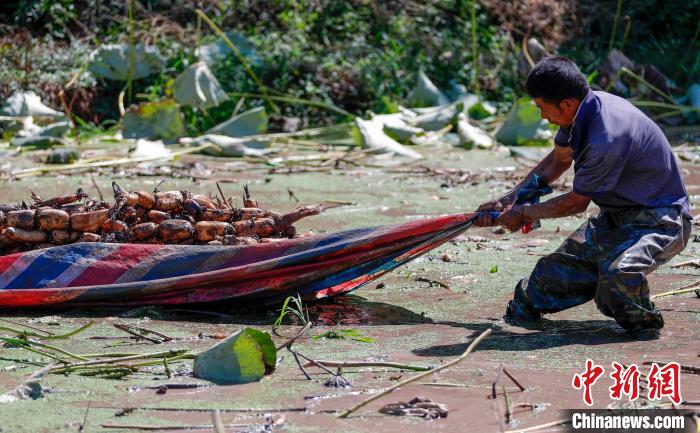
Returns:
(624, 164)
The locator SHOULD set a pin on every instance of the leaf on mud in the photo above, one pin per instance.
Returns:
(344, 334)
(524, 126)
(198, 87)
(29, 389)
(228, 146)
(245, 356)
(436, 118)
(470, 136)
(426, 94)
(160, 119)
(396, 127)
(21, 104)
(374, 137)
(481, 110)
(112, 61)
(150, 149)
(218, 51)
(251, 122)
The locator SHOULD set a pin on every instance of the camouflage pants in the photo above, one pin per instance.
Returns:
(606, 259)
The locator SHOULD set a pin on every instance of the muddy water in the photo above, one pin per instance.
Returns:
(410, 319)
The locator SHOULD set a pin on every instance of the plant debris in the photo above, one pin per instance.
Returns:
(417, 406)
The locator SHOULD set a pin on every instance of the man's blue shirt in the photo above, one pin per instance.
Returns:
(621, 157)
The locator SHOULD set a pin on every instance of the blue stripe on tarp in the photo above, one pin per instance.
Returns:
(330, 244)
(49, 265)
(380, 264)
(178, 265)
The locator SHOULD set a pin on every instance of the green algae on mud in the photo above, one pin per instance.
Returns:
(409, 320)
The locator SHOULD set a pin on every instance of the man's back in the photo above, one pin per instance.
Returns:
(622, 158)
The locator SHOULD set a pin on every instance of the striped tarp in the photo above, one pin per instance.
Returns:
(139, 274)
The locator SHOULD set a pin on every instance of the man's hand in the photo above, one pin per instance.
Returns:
(484, 219)
(513, 218)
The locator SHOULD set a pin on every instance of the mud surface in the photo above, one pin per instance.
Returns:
(411, 318)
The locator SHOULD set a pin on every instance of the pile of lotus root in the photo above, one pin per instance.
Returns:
(168, 217)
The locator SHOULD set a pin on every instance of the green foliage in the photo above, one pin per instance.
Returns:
(660, 33)
(293, 306)
(245, 356)
(53, 16)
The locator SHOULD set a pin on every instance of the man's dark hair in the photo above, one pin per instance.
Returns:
(555, 79)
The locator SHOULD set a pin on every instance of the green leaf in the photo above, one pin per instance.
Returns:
(426, 94)
(160, 119)
(524, 126)
(481, 110)
(251, 122)
(374, 137)
(112, 61)
(198, 87)
(244, 357)
(493, 269)
(218, 51)
(268, 348)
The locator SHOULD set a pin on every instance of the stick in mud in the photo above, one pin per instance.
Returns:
(218, 421)
(403, 383)
(513, 379)
(367, 364)
(301, 367)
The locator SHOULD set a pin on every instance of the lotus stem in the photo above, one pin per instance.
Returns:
(614, 29)
(240, 57)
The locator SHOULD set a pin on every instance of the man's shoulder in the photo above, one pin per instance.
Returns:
(619, 120)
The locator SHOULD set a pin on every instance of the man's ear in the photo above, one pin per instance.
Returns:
(569, 105)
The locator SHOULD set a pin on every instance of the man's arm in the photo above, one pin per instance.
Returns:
(549, 169)
(563, 205)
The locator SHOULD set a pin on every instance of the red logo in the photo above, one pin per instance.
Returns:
(626, 382)
(665, 382)
(586, 380)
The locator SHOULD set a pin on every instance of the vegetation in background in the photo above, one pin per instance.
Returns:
(358, 55)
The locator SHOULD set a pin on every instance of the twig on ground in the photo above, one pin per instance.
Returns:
(288, 343)
(695, 263)
(312, 362)
(301, 367)
(189, 409)
(496, 379)
(403, 383)
(223, 197)
(505, 398)
(168, 373)
(218, 422)
(27, 326)
(172, 427)
(367, 364)
(87, 410)
(169, 353)
(142, 333)
(94, 183)
(433, 282)
(513, 379)
(291, 195)
(692, 287)
(684, 368)
(541, 426)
